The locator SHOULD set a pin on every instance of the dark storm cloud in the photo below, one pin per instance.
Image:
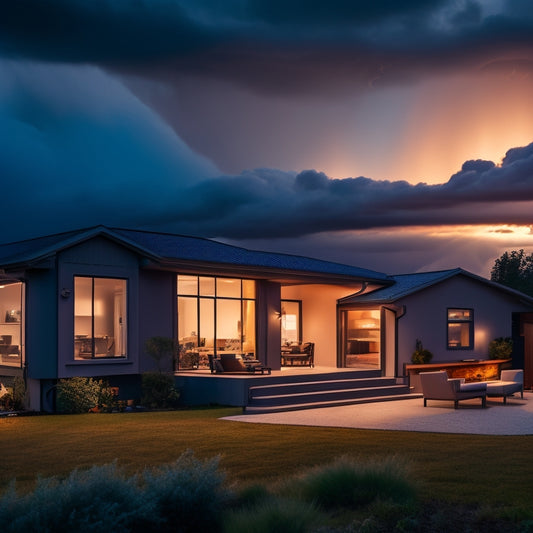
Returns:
(104, 32)
(271, 46)
(81, 149)
(337, 12)
(70, 157)
(394, 252)
(270, 204)
(76, 159)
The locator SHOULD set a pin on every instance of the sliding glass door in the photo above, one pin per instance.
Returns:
(361, 339)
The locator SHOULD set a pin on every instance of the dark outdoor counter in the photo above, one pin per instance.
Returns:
(470, 369)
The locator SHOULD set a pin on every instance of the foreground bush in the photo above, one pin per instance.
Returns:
(350, 483)
(94, 500)
(185, 496)
(188, 495)
(277, 515)
(309, 501)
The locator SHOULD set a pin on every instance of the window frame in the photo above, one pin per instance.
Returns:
(453, 321)
(13, 354)
(217, 295)
(123, 321)
(299, 321)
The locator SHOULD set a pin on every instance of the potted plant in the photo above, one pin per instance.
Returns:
(421, 356)
(163, 351)
(501, 348)
(158, 390)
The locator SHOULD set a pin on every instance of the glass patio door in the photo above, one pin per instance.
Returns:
(361, 339)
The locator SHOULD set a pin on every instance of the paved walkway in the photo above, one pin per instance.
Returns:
(515, 418)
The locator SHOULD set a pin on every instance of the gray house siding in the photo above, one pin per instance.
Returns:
(97, 257)
(157, 308)
(41, 324)
(268, 334)
(426, 318)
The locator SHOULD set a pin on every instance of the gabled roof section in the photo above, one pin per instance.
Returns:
(406, 284)
(196, 249)
(165, 250)
(31, 251)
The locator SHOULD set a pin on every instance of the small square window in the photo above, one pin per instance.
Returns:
(460, 329)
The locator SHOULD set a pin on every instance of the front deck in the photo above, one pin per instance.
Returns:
(287, 388)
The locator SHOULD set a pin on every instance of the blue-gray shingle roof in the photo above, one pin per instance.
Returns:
(30, 249)
(181, 247)
(166, 247)
(405, 284)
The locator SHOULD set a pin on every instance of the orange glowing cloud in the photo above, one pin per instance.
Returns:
(424, 133)
(455, 119)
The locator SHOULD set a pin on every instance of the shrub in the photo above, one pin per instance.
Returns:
(251, 495)
(108, 398)
(185, 496)
(501, 348)
(162, 350)
(189, 494)
(421, 356)
(346, 483)
(274, 514)
(98, 499)
(14, 399)
(78, 395)
(158, 391)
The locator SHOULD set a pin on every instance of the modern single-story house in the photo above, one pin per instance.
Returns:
(84, 302)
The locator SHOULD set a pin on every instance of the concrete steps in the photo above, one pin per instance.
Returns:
(324, 391)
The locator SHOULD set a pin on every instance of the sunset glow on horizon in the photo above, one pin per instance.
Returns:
(443, 123)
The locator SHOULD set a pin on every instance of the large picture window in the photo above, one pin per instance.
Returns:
(11, 323)
(460, 329)
(214, 315)
(100, 321)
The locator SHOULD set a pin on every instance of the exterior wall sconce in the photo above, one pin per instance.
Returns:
(65, 293)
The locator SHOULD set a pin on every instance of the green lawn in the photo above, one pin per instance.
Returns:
(487, 470)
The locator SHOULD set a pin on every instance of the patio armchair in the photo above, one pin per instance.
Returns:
(437, 386)
(510, 381)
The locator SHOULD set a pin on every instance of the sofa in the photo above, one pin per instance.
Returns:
(437, 386)
(234, 364)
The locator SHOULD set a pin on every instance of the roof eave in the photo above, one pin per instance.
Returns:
(348, 300)
(260, 272)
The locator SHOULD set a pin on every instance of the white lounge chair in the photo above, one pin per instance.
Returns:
(510, 381)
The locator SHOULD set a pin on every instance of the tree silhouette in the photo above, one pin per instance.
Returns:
(514, 269)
